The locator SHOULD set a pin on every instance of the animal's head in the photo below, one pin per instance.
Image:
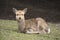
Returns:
(19, 13)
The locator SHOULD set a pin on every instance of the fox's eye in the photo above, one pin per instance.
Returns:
(21, 14)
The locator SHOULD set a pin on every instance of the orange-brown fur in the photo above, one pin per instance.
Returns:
(34, 25)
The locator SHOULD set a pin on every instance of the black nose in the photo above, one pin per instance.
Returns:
(19, 17)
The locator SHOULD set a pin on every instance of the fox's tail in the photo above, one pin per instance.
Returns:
(48, 30)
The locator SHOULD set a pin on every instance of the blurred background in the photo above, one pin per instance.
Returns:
(47, 9)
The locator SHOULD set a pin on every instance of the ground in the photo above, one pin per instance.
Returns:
(9, 31)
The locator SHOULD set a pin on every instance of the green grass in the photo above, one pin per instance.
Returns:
(8, 31)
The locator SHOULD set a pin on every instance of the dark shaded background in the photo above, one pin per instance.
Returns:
(47, 9)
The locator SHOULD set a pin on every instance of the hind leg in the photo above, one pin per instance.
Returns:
(30, 31)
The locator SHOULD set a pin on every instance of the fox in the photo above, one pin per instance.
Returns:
(33, 25)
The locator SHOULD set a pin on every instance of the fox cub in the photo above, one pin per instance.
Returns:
(34, 25)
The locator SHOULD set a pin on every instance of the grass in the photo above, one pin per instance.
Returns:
(8, 31)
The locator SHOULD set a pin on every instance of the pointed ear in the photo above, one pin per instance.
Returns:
(25, 10)
(14, 10)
